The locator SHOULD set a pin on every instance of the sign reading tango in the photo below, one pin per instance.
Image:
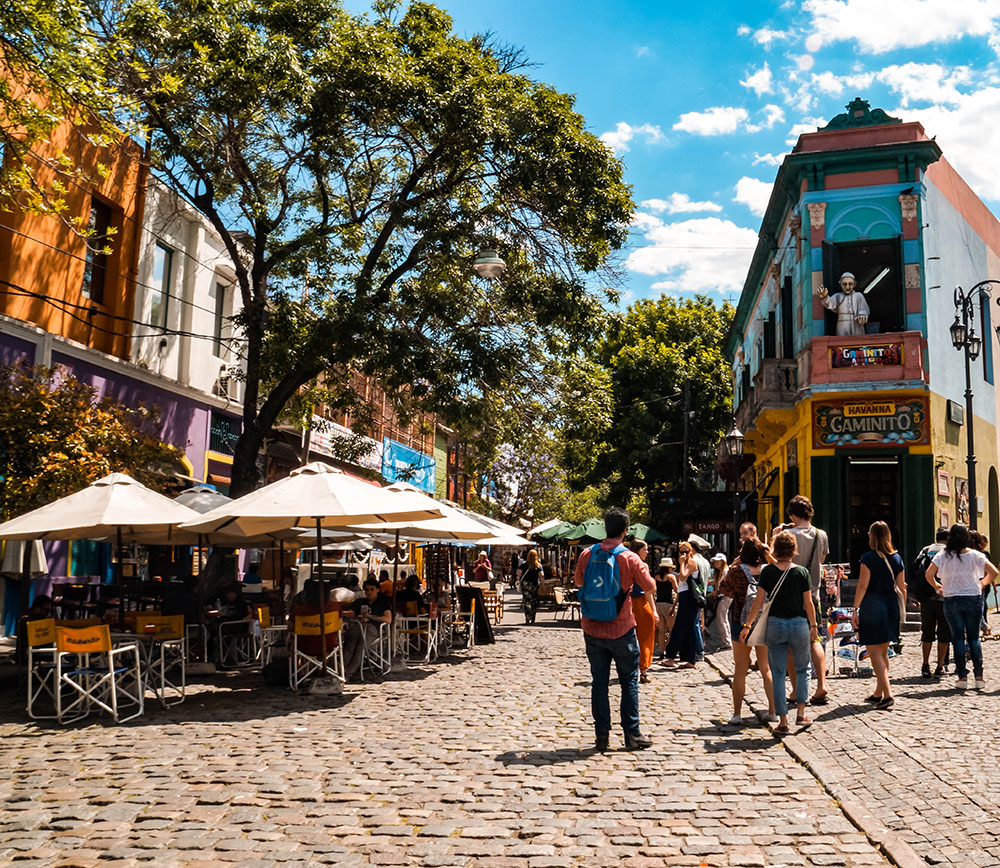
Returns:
(864, 357)
(871, 423)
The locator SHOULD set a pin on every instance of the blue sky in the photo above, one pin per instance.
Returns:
(701, 101)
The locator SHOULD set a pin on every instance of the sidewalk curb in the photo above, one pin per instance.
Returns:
(894, 848)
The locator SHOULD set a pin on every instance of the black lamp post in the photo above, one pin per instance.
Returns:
(964, 337)
(733, 443)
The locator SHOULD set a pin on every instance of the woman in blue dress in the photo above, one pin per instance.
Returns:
(881, 585)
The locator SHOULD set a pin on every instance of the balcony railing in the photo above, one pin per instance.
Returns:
(866, 358)
(774, 387)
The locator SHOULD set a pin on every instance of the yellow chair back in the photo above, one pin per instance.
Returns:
(264, 616)
(75, 623)
(308, 625)
(41, 632)
(83, 640)
(411, 609)
(163, 626)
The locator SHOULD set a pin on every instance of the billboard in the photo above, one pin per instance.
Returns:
(401, 463)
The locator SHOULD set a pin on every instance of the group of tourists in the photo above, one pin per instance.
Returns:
(768, 607)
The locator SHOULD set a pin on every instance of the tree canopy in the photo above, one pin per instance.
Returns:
(56, 438)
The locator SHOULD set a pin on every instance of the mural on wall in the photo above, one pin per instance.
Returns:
(961, 500)
(871, 423)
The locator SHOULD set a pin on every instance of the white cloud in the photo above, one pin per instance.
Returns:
(814, 42)
(808, 125)
(765, 36)
(767, 159)
(760, 81)
(883, 25)
(743, 30)
(619, 138)
(969, 136)
(705, 254)
(754, 194)
(926, 82)
(678, 203)
(715, 121)
(642, 51)
(772, 114)
(804, 61)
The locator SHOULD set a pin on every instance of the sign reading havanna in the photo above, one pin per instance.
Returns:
(871, 423)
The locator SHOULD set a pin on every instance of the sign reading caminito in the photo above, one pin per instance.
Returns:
(888, 422)
(866, 356)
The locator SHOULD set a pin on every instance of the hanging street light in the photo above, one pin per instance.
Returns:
(488, 264)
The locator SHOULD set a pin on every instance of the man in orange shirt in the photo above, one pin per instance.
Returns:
(615, 640)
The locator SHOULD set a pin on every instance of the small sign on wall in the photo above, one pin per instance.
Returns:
(944, 518)
(943, 483)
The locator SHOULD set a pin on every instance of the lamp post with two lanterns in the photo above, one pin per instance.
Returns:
(964, 337)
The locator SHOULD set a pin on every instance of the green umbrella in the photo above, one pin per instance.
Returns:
(646, 533)
(590, 531)
(554, 533)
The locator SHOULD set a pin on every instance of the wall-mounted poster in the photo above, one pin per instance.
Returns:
(944, 483)
(888, 422)
(944, 518)
(961, 500)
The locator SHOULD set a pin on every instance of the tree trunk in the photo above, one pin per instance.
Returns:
(245, 478)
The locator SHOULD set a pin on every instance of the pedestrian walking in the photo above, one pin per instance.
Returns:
(933, 624)
(482, 570)
(812, 548)
(666, 603)
(683, 636)
(645, 616)
(877, 607)
(791, 626)
(740, 585)
(529, 587)
(960, 573)
(722, 602)
(604, 568)
(981, 543)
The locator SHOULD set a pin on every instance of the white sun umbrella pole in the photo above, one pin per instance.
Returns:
(318, 495)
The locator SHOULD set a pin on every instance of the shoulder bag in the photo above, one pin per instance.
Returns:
(759, 631)
(899, 595)
(696, 589)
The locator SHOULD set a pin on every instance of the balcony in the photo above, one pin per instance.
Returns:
(774, 388)
(896, 356)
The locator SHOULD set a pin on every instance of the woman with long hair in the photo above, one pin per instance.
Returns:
(881, 583)
(683, 641)
(961, 573)
(645, 616)
(981, 542)
(666, 603)
(791, 626)
(529, 587)
(740, 585)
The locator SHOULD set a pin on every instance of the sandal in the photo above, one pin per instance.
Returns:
(820, 700)
(803, 722)
(643, 678)
(781, 729)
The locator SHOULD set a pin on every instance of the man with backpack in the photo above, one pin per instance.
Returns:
(605, 574)
(932, 620)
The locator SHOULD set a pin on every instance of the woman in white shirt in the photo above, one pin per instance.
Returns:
(960, 573)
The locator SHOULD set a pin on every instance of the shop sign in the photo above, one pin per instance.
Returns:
(865, 356)
(324, 434)
(707, 526)
(400, 462)
(871, 423)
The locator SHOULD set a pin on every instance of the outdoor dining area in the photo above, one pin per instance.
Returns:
(118, 648)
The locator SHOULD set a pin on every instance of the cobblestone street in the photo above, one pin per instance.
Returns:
(485, 759)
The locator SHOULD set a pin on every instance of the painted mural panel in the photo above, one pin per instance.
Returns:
(883, 422)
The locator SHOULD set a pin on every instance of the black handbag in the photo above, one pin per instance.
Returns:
(697, 591)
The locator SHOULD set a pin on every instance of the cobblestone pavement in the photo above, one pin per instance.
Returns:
(929, 769)
(481, 760)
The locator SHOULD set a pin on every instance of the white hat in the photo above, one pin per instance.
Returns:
(668, 563)
(698, 542)
(848, 274)
(718, 556)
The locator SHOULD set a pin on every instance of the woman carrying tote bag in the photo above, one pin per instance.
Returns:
(791, 626)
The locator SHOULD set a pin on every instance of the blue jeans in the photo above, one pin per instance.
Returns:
(784, 635)
(624, 651)
(963, 615)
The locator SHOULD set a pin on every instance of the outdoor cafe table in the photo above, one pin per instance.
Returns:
(156, 656)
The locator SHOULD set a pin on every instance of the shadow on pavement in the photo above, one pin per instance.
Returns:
(547, 757)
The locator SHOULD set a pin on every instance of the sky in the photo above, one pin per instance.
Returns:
(702, 100)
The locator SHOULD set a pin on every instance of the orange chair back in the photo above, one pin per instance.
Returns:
(309, 625)
(41, 632)
(161, 626)
(83, 640)
(264, 616)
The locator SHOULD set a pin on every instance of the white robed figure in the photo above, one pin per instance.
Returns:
(851, 307)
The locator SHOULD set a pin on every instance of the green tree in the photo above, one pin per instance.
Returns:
(662, 354)
(56, 438)
(353, 167)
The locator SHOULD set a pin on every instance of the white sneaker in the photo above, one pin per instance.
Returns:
(770, 718)
(980, 684)
(962, 683)
(736, 720)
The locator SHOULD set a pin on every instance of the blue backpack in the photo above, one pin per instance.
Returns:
(601, 594)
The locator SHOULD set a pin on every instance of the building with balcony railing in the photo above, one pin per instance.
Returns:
(868, 425)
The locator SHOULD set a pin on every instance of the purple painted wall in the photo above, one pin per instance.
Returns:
(183, 421)
(14, 349)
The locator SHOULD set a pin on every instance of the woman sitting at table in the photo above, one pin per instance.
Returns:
(360, 627)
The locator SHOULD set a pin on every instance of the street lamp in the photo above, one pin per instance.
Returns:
(733, 443)
(964, 338)
(489, 264)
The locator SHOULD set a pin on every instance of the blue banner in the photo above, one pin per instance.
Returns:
(401, 463)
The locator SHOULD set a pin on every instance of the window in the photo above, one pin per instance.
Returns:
(163, 261)
(878, 270)
(987, 336)
(223, 433)
(95, 270)
(220, 318)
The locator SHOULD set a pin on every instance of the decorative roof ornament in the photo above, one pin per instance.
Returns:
(860, 114)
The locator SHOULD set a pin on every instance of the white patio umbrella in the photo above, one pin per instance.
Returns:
(315, 494)
(115, 506)
(555, 522)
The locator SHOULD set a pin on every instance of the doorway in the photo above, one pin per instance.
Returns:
(873, 494)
